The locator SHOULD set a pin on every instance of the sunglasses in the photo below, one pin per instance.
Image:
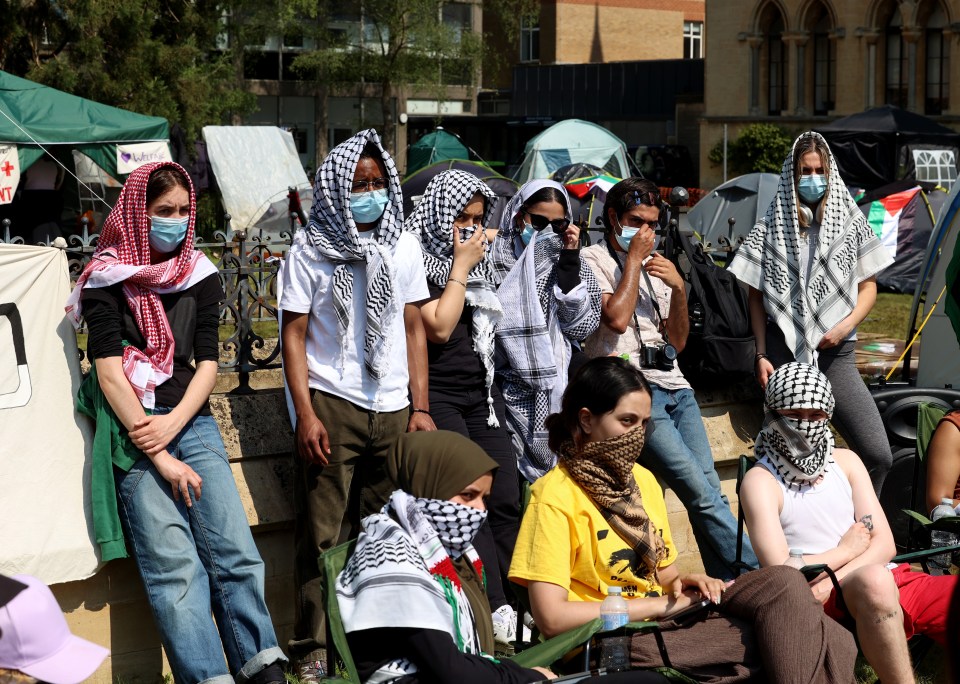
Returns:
(540, 222)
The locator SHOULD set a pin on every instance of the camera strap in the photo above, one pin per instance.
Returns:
(661, 323)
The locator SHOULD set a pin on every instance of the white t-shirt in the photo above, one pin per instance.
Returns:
(308, 288)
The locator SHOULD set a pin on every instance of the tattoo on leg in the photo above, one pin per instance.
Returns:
(884, 618)
(867, 521)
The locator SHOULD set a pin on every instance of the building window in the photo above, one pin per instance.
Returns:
(693, 40)
(936, 166)
(896, 90)
(530, 40)
(824, 68)
(456, 17)
(937, 50)
(776, 68)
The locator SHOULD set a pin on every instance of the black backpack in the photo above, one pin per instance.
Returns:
(721, 341)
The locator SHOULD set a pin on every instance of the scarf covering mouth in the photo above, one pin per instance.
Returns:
(414, 564)
(847, 252)
(799, 449)
(537, 356)
(432, 222)
(605, 472)
(123, 256)
(332, 234)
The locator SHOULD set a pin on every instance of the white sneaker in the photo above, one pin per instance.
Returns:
(504, 625)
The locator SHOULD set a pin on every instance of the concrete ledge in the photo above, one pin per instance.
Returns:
(111, 607)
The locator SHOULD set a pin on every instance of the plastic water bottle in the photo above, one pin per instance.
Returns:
(613, 610)
(616, 649)
(796, 559)
(939, 537)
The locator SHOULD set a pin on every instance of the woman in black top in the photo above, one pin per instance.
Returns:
(460, 320)
(151, 303)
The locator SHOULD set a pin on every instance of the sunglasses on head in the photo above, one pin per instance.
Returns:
(540, 222)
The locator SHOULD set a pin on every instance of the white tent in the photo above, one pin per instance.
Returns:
(571, 141)
(255, 166)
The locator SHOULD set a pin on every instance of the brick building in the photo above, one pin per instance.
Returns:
(801, 63)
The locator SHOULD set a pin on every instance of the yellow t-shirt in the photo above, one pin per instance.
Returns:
(564, 540)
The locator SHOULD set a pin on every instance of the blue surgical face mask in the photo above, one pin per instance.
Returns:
(625, 236)
(167, 232)
(527, 234)
(367, 207)
(812, 187)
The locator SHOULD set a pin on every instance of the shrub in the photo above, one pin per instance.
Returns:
(760, 147)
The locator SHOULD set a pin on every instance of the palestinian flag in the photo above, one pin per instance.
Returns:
(884, 217)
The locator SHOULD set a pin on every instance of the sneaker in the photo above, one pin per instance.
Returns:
(504, 625)
(311, 671)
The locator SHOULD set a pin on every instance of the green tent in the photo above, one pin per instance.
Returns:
(32, 115)
(434, 147)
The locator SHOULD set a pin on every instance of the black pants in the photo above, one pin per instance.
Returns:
(466, 412)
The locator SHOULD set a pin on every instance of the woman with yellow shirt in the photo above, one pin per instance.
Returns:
(598, 520)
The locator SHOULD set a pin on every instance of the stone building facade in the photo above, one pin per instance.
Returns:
(801, 63)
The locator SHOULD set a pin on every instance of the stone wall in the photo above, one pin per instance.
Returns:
(111, 607)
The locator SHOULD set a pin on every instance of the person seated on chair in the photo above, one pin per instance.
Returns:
(411, 595)
(644, 308)
(805, 494)
(598, 520)
(943, 462)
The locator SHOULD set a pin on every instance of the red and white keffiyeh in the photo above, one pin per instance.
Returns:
(123, 255)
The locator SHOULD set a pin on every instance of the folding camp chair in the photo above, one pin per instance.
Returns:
(341, 667)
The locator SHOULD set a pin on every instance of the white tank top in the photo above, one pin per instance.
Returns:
(815, 518)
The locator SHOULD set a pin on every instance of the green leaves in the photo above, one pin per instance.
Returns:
(760, 147)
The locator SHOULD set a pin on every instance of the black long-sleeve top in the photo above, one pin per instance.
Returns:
(194, 318)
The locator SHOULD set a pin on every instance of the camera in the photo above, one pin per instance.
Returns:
(659, 356)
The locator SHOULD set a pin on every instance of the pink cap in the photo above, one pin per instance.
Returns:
(35, 640)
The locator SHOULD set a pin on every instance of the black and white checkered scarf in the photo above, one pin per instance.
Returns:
(798, 449)
(332, 235)
(539, 326)
(401, 573)
(432, 222)
(848, 252)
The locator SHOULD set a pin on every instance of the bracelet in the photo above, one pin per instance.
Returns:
(760, 356)
(458, 282)
(416, 410)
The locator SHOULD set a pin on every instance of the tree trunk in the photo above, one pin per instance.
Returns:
(320, 122)
(389, 136)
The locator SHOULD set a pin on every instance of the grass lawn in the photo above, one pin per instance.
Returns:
(889, 315)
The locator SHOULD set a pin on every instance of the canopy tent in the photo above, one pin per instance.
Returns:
(434, 147)
(571, 141)
(902, 215)
(414, 186)
(885, 144)
(255, 166)
(744, 199)
(34, 115)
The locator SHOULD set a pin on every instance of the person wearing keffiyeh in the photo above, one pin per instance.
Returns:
(598, 520)
(460, 321)
(354, 355)
(811, 264)
(551, 303)
(151, 303)
(411, 595)
(805, 495)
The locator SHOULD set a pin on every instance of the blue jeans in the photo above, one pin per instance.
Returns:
(199, 560)
(679, 454)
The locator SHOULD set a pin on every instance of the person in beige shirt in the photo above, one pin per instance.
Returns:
(643, 315)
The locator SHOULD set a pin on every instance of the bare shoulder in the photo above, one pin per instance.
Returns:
(758, 479)
(849, 461)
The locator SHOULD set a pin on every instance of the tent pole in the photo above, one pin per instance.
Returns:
(724, 153)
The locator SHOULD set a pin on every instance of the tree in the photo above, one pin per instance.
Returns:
(760, 147)
(154, 57)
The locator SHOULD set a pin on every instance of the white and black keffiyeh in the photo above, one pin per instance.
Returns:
(798, 449)
(536, 333)
(401, 573)
(332, 235)
(847, 252)
(432, 222)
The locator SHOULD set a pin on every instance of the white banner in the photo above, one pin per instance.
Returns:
(45, 520)
(134, 155)
(9, 172)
